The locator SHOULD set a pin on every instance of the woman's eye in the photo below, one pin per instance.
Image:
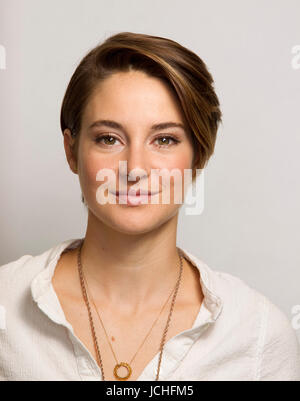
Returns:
(165, 141)
(108, 139)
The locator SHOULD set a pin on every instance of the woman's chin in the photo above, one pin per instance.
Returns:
(134, 226)
(133, 223)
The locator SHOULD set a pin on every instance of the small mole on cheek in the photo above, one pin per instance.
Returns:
(113, 338)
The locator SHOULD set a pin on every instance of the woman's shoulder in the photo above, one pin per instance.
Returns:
(246, 308)
(256, 313)
(17, 275)
(12, 271)
(244, 298)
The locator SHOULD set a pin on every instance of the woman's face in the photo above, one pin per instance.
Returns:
(133, 102)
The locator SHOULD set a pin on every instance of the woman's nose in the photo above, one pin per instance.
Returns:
(137, 161)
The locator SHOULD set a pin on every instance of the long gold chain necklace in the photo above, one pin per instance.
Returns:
(95, 340)
(118, 365)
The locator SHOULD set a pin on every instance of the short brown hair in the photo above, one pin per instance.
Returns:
(182, 70)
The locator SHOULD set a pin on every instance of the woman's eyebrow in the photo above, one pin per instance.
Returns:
(116, 125)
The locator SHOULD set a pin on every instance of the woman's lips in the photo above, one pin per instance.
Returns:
(135, 193)
(131, 199)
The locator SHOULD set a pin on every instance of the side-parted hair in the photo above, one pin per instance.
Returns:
(181, 69)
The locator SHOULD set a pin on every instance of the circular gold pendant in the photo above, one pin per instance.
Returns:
(129, 370)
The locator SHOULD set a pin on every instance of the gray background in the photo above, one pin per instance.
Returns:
(250, 224)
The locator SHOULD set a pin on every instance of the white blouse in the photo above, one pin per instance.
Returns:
(238, 335)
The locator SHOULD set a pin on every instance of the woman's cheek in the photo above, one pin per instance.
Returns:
(90, 166)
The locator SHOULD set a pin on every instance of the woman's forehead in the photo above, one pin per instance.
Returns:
(136, 100)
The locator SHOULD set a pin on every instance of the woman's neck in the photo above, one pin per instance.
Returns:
(130, 270)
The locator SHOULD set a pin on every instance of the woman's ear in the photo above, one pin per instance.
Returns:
(69, 142)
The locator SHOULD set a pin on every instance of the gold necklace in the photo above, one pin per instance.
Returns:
(124, 364)
(118, 365)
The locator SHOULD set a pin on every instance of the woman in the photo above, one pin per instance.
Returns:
(124, 302)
